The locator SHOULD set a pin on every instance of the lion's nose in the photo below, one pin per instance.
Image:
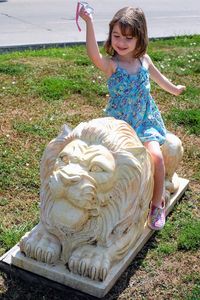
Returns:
(69, 178)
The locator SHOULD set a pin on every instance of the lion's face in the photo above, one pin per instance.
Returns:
(81, 173)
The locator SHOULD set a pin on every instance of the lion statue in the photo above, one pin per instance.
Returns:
(96, 187)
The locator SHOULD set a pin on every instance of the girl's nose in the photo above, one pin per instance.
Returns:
(121, 41)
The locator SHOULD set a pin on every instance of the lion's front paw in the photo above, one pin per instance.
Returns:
(41, 246)
(90, 261)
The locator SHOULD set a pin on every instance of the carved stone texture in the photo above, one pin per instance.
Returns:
(96, 187)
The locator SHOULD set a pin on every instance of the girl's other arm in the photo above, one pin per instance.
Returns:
(163, 81)
(101, 62)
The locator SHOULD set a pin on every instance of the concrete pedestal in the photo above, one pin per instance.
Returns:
(59, 274)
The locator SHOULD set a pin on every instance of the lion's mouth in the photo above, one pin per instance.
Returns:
(76, 189)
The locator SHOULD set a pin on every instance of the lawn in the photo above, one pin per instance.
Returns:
(43, 89)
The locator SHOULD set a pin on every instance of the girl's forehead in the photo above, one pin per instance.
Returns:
(116, 27)
(122, 29)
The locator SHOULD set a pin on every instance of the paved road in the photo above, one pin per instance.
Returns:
(26, 22)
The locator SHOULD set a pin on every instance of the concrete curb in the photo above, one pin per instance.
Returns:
(13, 48)
(6, 49)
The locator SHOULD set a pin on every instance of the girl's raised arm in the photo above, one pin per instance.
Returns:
(163, 81)
(101, 62)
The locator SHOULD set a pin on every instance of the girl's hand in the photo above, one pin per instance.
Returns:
(179, 89)
(85, 15)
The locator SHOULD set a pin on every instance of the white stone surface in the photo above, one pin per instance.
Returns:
(60, 274)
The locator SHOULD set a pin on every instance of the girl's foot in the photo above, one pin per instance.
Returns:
(156, 218)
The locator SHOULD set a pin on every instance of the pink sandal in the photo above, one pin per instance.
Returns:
(156, 218)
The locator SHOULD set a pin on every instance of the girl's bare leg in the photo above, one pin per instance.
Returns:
(159, 173)
(156, 218)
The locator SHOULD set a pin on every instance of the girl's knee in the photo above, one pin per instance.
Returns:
(154, 149)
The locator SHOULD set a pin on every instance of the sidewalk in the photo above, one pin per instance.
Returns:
(33, 24)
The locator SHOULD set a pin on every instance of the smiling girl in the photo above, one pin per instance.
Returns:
(128, 68)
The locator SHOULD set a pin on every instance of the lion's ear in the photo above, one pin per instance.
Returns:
(65, 131)
(52, 150)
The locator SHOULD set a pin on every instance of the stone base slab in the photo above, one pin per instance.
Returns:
(58, 273)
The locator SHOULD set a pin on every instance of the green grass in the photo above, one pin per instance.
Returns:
(3, 201)
(41, 90)
(34, 129)
(18, 168)
(194, 294)
(188, 118)
(13, 69)
(44, 89)
(11, 236)
(58, 88)
(181, 231)
(189, 237)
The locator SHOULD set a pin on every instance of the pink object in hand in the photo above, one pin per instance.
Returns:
(87, 8)
(77, 15)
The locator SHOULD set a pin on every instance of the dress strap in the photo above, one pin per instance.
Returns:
(140, 60)
(117, 61)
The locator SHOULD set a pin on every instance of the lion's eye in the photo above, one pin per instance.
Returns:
(65, 159)
(96, 168)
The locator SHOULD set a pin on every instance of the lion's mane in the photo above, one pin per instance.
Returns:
(122, 211)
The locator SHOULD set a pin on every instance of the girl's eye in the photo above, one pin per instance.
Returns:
(116, 36)
(129, 37)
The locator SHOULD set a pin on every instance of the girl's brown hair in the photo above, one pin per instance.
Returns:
(131, 21)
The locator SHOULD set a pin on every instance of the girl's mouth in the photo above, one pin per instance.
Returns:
(121, 49)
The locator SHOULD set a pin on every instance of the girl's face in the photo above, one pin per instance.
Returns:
(122, 44)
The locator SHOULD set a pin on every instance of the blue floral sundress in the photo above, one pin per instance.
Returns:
(130, 100)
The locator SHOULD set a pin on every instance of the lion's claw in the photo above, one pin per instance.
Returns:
(95, 265)
(41, 246)
(103, 274)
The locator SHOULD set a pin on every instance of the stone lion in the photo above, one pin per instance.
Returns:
(96, 187)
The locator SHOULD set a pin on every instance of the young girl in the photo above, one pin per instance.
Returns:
(128, 68)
